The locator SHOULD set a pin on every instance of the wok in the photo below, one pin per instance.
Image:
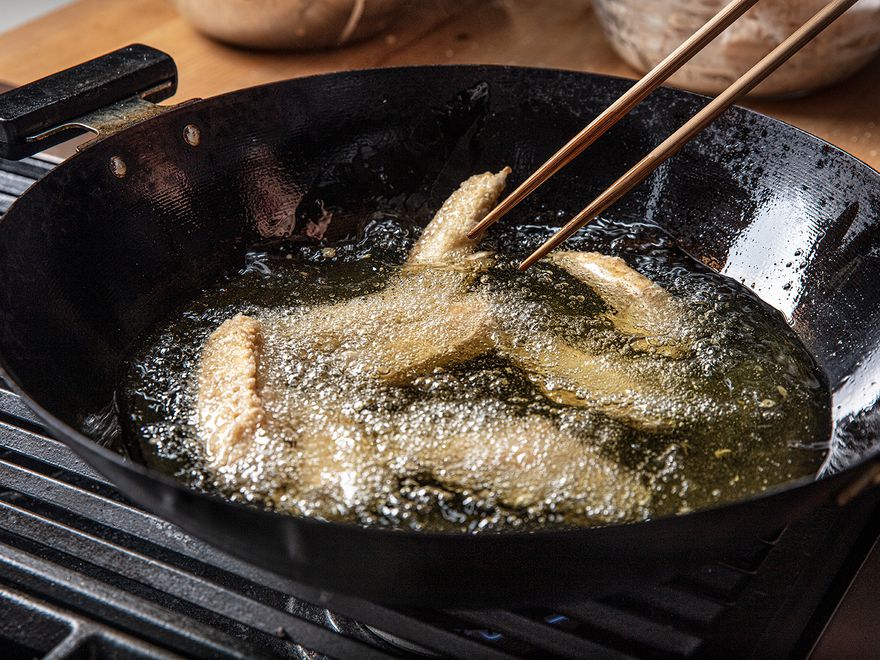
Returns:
(112, 240)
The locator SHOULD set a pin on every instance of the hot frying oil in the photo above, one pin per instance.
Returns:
(486, 444)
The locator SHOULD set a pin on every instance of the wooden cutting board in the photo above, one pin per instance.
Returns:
(551, 33)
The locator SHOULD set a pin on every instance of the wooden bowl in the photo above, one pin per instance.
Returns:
(644, 31)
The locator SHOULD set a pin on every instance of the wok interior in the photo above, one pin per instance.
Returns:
(89, 262)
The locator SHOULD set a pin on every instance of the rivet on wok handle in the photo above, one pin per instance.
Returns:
(191, 135)
(118, 166)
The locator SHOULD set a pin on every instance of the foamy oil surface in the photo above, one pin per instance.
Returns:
(485, 444)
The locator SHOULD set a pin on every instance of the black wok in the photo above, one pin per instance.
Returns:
(111, 241)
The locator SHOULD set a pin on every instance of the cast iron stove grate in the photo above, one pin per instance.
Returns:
(84, 573)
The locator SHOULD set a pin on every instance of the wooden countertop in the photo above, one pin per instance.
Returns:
(552, 33)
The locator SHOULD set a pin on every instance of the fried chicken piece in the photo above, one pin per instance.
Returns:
(445, 239)
(425, 319)
(330, 463)
(571, 376)
(526, 463)
(230, 406)
(421, 322)
(642, 308)
(337, 465)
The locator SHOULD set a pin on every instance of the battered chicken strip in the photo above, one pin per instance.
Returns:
(528, 463)
(642, 308)
(421, 322)
(336, 466)
(230, 406)
(571, 376)
(329, 466)
(425, 319)
(445, 239)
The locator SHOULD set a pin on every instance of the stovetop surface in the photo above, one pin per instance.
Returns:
(85, 573)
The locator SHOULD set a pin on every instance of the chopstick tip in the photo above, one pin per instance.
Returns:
(477, 230)
(530, 261)
(551, 244)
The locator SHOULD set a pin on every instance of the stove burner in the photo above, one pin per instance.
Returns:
(402, 644)
(373, 635)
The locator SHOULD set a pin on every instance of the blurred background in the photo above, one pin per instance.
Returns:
(831, 89)
(15, 13)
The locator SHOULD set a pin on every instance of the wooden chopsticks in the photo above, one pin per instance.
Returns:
(618, 110)
(677, 140)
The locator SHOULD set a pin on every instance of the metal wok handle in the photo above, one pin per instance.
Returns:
(99, 96)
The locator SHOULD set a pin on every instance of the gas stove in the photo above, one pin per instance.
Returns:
(85, 573)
